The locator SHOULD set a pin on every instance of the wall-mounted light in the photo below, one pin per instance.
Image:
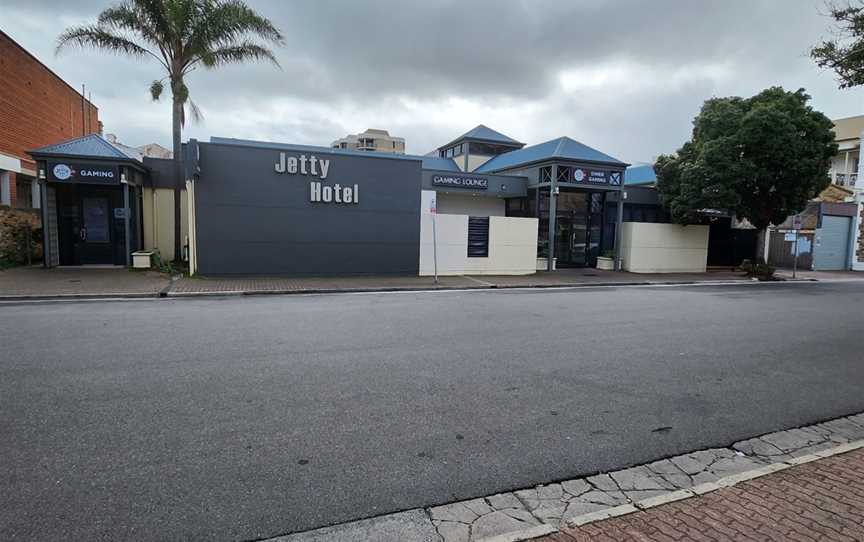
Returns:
(42, 173)
(123, 177)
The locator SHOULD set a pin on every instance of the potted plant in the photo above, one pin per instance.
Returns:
(543, 256)
(606, 261)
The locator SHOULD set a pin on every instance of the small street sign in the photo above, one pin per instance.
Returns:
(796, 222)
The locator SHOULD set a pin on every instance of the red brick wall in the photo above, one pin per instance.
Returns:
(37, 108)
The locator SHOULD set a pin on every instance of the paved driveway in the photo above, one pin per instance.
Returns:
(243, 418)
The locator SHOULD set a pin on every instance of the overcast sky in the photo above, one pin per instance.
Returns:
(623, 76)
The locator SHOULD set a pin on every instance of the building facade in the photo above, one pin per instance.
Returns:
(37, 108)
(372, 140)
(845, 165)
(491, 205)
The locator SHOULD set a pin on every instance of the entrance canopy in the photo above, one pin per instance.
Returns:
(91, 208)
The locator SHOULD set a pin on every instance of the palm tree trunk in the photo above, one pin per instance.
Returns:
(177, 115)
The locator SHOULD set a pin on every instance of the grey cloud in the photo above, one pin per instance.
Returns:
(374, 61)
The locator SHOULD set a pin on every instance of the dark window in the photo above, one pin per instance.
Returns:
(478, 236)
(24, 193)
(564, 174)
(546, 174)
(488, 149)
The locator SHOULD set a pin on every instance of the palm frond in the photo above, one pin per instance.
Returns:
(235, 54)
(197, 115)
(143, 17)
(100, 38)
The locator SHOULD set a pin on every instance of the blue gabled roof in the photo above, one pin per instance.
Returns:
(482, 132)
(89, 146)
(560, 148)
(441, 164)
(640, 174)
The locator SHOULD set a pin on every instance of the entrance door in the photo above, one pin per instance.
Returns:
(571, 234)
(95, 233)
(89, 232)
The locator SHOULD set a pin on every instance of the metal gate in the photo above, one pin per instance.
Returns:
(831, 250)
(782, 252)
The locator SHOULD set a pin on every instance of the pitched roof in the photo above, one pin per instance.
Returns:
(436, 162)
(640, 174)
(560, 148)
(89, 146)
(482, 132)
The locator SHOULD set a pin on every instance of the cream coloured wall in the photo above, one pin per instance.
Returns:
(476, 160)
(158, 215)
(512, 245)
(466, 204)
(664, 248)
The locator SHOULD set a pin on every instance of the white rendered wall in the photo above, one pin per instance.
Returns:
(512, 244)
(466, 204)
(664, 248)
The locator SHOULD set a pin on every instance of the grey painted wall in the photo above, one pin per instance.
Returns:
(252, 220)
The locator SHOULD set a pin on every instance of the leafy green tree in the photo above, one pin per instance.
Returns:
(844, 54)
(761, 158)
(181, 35)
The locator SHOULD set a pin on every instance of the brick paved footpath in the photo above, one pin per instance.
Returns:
(822, 500)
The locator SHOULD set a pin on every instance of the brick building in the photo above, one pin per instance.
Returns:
(37, 108)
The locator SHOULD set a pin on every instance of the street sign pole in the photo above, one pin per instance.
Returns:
(795, 263)
(796, 225)
(434, 211)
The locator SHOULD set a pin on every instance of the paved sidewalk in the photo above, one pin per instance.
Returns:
(30, 282)
(732, 493)
(823, 500)
(72, 282)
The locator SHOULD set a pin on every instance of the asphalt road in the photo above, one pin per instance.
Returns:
(245, 418)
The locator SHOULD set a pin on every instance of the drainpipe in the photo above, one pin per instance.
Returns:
(619, 221)
(126, 217)
(41, 172)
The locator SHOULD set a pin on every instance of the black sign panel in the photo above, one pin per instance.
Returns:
(595, 176)
(68, 172)
(471, 183)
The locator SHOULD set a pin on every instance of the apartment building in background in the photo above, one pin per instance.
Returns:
(844, 166)
(37, 108)
(371, 140)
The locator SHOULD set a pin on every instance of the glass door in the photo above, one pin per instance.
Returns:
(571, 234)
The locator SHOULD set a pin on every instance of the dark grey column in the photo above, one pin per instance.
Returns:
(126, 223)
(43, 195)
(553, 186)
(618, 223)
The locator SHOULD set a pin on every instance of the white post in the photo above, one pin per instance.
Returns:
(35, 197)
(434, 211)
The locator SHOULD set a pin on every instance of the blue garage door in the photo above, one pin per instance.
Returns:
(832, 244)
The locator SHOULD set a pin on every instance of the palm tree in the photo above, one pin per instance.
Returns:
(181, 35)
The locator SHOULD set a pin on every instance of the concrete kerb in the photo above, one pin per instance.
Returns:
(322, 291)
(542, 526)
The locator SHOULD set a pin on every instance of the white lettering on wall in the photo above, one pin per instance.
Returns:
(305, 165)
(320, 193)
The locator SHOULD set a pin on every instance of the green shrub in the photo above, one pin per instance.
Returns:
(758, 270)
(14, 240)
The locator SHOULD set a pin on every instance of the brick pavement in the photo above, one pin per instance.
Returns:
(822, 500)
